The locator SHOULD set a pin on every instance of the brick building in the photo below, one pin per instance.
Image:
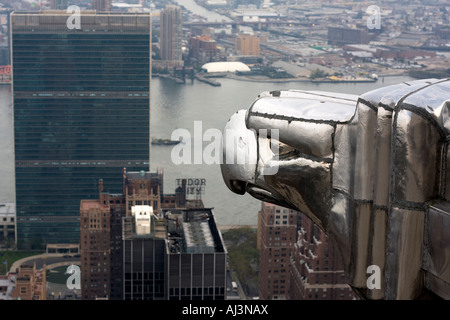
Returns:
(95, 233)
(316, 267)
(30, 283)
(203, 49)
(277, 228)
(101, 232)
(297, 261)
(247, 45)
(132, 243)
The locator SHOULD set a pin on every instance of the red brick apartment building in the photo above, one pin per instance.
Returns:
(277, 228)
(316, 267)
(297, 261)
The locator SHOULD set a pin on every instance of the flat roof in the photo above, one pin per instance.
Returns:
(141, 175)
(90, 204)
(225, 66)
(198, 237)
(90, 21)
(7, 208)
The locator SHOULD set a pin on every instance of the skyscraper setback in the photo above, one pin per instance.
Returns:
(81, 99)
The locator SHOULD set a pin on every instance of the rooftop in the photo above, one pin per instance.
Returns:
(141, 175)
(6, 287)
(7, 208)
(193, 231)
(225, 66)
(90, 21)
(198, 237)
(90, 204)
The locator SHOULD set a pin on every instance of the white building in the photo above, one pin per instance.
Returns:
(225, 66)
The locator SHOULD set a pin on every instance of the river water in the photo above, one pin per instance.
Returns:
(193, 7)
(178, 106)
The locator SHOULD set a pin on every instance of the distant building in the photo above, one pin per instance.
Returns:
(342, 36)
(386, 53)
(203, 49)
(101, 5)
(443, 32)
(252, 14)
(95, 237)
(30, 283)
(225, 66)
(171, 33)
(400, 54)
(247, 45)
(4, 55)
(277, 228)
(7, 222)
(59, 4)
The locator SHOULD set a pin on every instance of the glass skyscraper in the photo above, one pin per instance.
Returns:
(81, 99)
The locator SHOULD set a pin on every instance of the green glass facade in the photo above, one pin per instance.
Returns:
(81, 113)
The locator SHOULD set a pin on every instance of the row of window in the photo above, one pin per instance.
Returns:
(61, 235)
(93, 46)
(72, 104)
(81, 36)
(98, 77)
(107, 85)
(86, 148)
(70, 52)
(144, 276)
(49, 157)
(29, 65)
(113, 69)
(72, 125)
(196, 291)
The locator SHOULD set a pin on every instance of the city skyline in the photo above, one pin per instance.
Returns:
(301, 42)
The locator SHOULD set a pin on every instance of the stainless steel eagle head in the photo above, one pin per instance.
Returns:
(286, 139)
(370, 170)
